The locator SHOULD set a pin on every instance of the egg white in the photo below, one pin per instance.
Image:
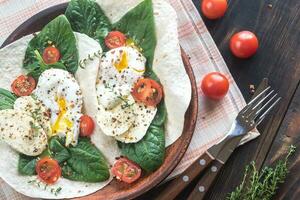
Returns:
(59, 91)
(119, 115)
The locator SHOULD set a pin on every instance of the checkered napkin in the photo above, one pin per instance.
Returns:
(214, 118)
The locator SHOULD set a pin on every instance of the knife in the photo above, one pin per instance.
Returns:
(214, 158)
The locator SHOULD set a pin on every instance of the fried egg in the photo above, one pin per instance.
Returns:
(119, 115)
(59, 91)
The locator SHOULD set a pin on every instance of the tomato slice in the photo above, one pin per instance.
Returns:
(23, 85)
(48, 170)
(115, 39)
(51, 55)
(87, 125)
(147, 91)
(126, 170)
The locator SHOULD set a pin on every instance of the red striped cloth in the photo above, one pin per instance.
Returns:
(213, 118)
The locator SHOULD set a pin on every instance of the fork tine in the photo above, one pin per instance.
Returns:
(261, 118)
(252, 113)
(265, 105)
(253, 100)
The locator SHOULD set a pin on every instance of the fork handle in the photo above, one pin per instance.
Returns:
(206, 181)
(178, 184)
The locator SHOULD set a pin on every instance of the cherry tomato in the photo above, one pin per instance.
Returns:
(87, 125)
(244, 44)
(23, 85)
(51, 55)
(48, 170)
(126, 170)
(115, 39)
(147, 91)
(214, 9)
(215, 85)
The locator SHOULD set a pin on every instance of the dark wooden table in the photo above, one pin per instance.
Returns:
(277, 25)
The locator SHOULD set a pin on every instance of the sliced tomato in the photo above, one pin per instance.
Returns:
(147, 91)
(48, 170)
(87, 125)
(51, 55)
(127, 171)
(115, 39)
(23, 85)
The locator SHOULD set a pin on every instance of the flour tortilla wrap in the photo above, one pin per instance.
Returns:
(167, 65)
(11, 67)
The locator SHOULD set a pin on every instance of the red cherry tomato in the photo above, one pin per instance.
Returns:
(48, 170)
(51, 55)
(147, 91)
(23, 85)
(215, 85)
(127, 171)
(87, 125)
(115, 39)
(244, 44)
(214, 9)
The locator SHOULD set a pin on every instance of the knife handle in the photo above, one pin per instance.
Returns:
(206, 181)
(178, 184)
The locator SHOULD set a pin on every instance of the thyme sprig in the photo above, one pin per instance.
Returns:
(261, 185)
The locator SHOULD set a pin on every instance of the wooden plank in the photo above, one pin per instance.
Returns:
(288, 134)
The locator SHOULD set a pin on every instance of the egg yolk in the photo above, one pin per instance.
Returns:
(62, 123)
(123, 64)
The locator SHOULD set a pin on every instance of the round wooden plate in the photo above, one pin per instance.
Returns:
(118, 190)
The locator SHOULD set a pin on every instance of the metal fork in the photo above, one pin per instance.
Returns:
(215, 157)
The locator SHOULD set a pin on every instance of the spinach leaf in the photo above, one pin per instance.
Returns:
(7, 99)
(149, 152)
(26, 165)
(161, 115)
(59, 33)
(138, 24)
(87, 17)
(58, 151)
(86, 163)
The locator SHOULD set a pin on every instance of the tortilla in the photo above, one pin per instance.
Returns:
(167, 64)
(11, 67)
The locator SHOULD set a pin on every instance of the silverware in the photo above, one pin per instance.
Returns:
(214, 158)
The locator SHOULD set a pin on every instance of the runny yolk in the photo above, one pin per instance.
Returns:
(123, 64)
(62, 123)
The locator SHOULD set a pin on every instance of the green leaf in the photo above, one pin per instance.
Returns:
(161, 115)
(86, 163)
(138, 24)
(26, 165)
(60, 34)
(149, 153)
(87, 17)
(58, 151)
(7, 99)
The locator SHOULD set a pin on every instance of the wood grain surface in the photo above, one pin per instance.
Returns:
(115, 189)
(277, 25)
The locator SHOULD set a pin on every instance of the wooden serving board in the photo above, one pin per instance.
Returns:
(174, 153)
